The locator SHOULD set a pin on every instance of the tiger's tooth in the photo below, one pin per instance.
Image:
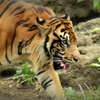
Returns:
(62, 64)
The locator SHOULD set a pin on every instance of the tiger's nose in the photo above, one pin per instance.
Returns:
(76, 59)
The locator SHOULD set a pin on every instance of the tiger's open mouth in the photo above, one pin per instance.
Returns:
(58, 64)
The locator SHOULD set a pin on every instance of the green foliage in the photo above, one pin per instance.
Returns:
(96, 29)
(96, 64)
(96, 3)
(89, 94)
(24, 75)
(98, 59)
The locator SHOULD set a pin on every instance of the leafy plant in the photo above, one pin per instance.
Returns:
(96, 64)
(96, 29)
(24, 75)
(96, 3)
(89, 94)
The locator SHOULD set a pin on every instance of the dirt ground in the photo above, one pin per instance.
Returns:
(88, 43)
(11, 91)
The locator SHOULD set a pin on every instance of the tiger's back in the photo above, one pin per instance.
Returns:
(17, 28)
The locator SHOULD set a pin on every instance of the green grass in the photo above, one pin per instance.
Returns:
(89, 93)
(26, 74)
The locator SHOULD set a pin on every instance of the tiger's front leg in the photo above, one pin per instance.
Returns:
(49, 80)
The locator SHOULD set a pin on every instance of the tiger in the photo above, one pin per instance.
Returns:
(36, 34)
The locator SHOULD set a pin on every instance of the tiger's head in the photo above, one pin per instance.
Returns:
(59, 40)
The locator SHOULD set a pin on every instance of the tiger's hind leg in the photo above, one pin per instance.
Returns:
(49, 80)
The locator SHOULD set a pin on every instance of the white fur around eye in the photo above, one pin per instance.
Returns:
(66, 36)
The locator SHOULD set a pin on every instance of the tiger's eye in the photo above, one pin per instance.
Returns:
(65, 41)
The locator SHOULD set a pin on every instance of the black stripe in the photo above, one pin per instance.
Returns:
(53, 20)
(66, 23)
(22, 44)
(26, 25)
(16, 9)
(56, 36)
(57, 56)
(45, 83)
(6, 54)
(46, 64)
(41, 72)
(45, 46)
(30, 40)
(54, 41)
(58, 26)
(44, 80)
(1, 1)
(21, 12)
(61, 53)
(20, 47)
(48, 12)
(12, 2)
(32, 28)
(35, 9)
(17, 24)
(57, 50)
(42, 9)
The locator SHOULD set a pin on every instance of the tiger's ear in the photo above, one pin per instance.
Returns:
(40, 21)
(41, 24)
(66, 16)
